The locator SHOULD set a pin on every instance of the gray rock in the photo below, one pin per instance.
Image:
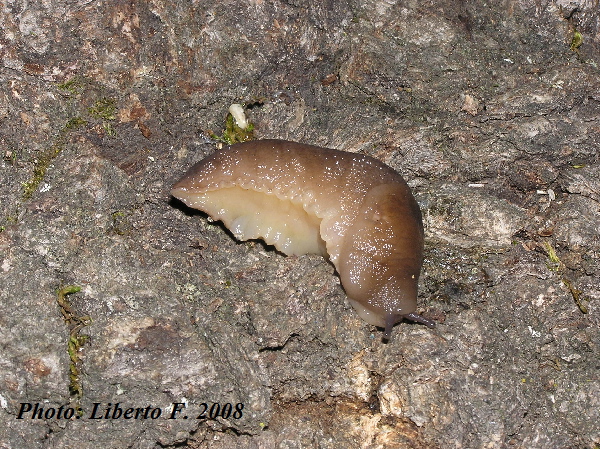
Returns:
(489, 110)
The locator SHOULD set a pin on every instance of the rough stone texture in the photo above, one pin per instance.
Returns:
(487, 108)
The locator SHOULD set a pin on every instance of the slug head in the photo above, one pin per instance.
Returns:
(382, 256)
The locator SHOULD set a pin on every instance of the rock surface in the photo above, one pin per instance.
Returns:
(491, 111)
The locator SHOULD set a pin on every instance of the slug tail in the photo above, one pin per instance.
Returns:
(420, 319)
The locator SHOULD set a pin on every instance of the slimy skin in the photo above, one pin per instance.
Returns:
(303, 199)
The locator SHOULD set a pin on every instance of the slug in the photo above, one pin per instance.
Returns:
(303, 199)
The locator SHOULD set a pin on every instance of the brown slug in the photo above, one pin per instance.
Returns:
(306, 199)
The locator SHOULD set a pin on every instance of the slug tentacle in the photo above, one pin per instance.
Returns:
(420, 319)
(390, 320)
(305, 199)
